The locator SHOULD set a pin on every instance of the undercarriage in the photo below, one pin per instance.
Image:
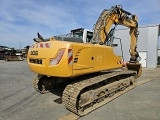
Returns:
(86, 94)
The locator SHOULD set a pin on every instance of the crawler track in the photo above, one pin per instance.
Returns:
(37, 84)
(89, 94)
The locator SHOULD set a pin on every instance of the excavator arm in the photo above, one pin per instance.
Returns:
(117, 16)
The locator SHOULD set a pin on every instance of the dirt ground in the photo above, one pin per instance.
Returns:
(19, 100)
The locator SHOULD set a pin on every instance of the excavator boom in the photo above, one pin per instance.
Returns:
(117, 16)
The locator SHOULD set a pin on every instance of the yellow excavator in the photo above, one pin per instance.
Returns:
(88, 60)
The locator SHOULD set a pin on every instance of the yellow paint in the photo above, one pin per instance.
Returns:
(87, 58)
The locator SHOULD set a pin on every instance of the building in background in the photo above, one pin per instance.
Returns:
(6, 51)
(25, 51)
(147, 44)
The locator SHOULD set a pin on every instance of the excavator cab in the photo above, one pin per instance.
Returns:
(78, 33)
(84, 34)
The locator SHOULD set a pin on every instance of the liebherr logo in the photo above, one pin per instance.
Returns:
(34, 53)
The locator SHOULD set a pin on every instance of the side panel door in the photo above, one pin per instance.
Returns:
(82, 59)
(105, 59)
(98, 57)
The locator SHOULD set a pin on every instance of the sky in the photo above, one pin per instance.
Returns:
(20, 20)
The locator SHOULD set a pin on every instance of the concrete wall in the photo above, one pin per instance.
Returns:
(147, 41)
(152, 46)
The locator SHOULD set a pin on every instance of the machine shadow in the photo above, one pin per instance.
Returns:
(58, 89)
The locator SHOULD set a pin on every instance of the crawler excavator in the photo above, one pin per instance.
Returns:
(87, 58)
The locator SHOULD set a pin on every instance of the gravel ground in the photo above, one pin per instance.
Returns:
(19, 100)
